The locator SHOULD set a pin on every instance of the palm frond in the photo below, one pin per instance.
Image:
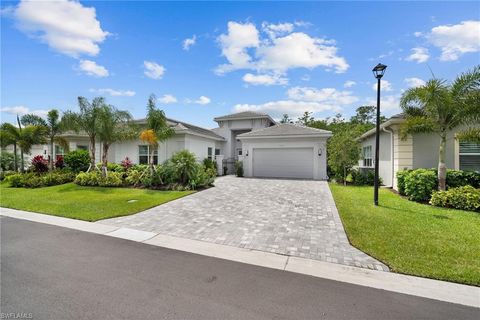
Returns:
(62, 142)
(32, 119)
(469, 135)
(417, 124)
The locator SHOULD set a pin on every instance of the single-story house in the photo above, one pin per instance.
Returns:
(267, 149)
(418, 150)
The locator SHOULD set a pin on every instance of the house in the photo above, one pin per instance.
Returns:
(419, 150)
(267, 149)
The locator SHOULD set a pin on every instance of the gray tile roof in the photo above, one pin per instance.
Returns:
(244, 115)
(189, 128)
(286, 129)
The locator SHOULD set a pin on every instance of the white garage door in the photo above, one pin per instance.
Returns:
(283, 162)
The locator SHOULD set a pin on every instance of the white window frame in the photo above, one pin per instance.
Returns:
(367, 156)
(155, 154)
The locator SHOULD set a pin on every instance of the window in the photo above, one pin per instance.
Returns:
(209, 153)
(469, 155)
(367, 156)
(217, 152)
(79, 147)
(143, 154)
(59, 152)
(239, 151)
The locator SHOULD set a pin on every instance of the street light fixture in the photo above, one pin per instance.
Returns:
(378, 72)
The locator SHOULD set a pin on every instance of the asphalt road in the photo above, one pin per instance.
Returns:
(57, 273)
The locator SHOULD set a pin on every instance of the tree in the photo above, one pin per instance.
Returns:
(437, 107)
(54, 126)
(86, 120)
(366, 115)
(344, 153)
(10, 135)
(306, 119)
(286, 119)
(157, 126)
(113, 125)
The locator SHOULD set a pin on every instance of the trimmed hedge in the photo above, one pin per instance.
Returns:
(95, 178)
(419, 184)
(464, 198)
(78, 160)
(364, 178)
(35, 180)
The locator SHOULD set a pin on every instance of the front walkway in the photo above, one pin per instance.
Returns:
(288, 217)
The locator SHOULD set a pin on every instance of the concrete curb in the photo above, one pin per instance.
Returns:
(416, 286)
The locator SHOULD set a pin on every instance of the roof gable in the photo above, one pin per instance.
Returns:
(286, 129)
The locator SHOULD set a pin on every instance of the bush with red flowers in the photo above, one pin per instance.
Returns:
(59, 163)
(39, 164)
(126, 164)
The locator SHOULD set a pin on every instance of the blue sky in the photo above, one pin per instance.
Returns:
(276, 57)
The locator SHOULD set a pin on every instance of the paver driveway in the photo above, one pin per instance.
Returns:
(290, 217)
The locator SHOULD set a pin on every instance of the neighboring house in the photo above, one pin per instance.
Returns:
(418, 150)
(267, 149)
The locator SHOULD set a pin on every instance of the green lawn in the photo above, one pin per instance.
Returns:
(412, 238)
(84, 203)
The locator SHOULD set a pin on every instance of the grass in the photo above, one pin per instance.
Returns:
(410, 237)
(84, 203)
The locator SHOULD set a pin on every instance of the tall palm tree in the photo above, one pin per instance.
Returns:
(86, 120)
(157, 122)
(437, 107)
(114, 125)
(54, 126)
(10, 135)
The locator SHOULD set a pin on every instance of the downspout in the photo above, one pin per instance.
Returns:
(391, 152)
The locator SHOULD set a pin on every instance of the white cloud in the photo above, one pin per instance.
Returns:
(114, 93)
(22, 110)
(456, 40)
(234, 45)
(385, 86)
(292, 107)
(327, 95)
(91, 68)
(243, 49)
(418, 34)
(153, 70)
(65, 26)
(203, 100)
(349, 84)
(388, 104)
(264, 79)
(187, 43)
(414, 82)
(419, 55)
(275, 30)
(167, 99)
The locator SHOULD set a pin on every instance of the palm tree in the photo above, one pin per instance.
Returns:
(156, 123)
(437, 107)
(86, 120)
(54, 126)
(114, 125)
(10, 135)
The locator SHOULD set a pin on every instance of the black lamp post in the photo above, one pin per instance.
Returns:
(378, 72)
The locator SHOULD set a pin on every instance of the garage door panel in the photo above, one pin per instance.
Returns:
(283, 162)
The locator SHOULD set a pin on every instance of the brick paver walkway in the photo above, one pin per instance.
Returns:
(290, 217)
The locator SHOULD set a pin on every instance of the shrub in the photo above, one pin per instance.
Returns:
(419, 184)
(459, 178)
(168, 173)
(401, 175)
(95, 178)
(204, 177)
(60, 163)
(464, 198)
(7, 161)
(126, 163)
(133, 177)
(364, 177)
(239, 168)
(139, 167)
(35, 180)
(78, 160)
(210, 164)
(39, 164)
(185, 165)
(5, 174)
(115, 167)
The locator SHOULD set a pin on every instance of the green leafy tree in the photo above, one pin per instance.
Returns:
(10, 135)
(113, 125)
(157, 122)
(306, 119)
(366, 115)
(86, 120)
(344, 153)
(286, 119)
(54, 127)
(438, 107)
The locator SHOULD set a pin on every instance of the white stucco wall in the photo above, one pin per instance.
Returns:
(199, 146)
(385, 156)
(319, 162)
